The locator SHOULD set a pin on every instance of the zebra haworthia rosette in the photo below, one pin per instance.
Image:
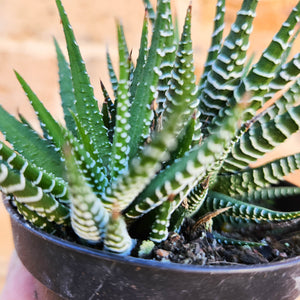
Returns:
(162, 147)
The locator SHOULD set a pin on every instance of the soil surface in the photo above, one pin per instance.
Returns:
(203, 248)
(273, 242)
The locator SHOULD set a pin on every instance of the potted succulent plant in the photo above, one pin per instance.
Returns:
(162, 158)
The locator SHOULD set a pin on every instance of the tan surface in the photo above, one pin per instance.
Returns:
(26, 30)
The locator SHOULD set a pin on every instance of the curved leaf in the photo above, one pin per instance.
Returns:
(251, 179)
(245, 211)
(38, 177)
(226, 70)
(28, 143)
(259, 77)
(34, 198)
(261, 139)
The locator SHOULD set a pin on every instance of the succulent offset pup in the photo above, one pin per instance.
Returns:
(163, 147)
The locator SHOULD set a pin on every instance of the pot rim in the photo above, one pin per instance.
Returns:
(141, 262)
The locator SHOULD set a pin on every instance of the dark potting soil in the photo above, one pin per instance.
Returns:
(202, 248)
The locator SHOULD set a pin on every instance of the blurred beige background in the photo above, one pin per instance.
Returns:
(27, 28)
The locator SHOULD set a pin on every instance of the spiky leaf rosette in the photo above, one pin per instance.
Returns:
(161, 148)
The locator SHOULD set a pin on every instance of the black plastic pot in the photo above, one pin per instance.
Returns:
(66, 270)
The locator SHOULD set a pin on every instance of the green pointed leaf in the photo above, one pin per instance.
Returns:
(151, 12)
(87, 108)
(28, 143)
(216, 41)
(122, 41)
(112, 74)
(227, 69)
(120, 147)
(50, 127)
(66, 89)
(141, 60)
(166, 66)
(141, 115)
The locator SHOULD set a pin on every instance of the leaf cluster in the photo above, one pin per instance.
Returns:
(163, 147)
